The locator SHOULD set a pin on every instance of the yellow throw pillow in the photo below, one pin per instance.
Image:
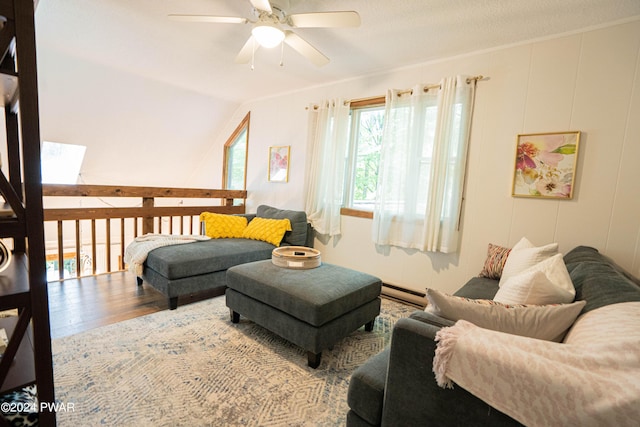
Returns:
(268, 230)
(220, 226)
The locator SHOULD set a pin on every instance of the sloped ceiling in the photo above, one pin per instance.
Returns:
(121, 78)
(137, 37)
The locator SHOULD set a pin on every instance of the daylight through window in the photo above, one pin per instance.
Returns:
(367, 120)
(235, 157)
(61, 162)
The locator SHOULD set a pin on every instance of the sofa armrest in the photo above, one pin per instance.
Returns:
(431, 319)
(412, 396)
(311, 235)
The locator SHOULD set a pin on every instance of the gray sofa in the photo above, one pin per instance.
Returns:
(190, 268)
(397, 387)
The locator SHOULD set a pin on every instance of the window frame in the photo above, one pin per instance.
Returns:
(228, 145)
(350, 161)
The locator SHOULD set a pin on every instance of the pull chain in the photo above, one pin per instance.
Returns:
(282, 53)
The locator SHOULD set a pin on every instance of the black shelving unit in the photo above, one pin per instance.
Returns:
(27, 359)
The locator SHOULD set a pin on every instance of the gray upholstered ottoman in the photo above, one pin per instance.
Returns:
(312, 308)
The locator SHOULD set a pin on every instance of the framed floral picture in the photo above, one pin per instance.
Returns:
(279, 163)
(546, 165)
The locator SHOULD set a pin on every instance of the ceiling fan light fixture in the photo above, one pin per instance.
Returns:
(267, 34)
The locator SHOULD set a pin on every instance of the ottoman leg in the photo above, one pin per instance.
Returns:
(139, 280)
(173, 303)
(369, 326)
(313, 359)
(235, 317)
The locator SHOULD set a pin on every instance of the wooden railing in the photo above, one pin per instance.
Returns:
(130, 222)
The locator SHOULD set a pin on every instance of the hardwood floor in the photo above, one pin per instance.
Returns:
(77, 305)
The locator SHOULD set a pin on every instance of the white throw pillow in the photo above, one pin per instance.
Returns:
(523, 243)
(545, 322)
(524, 255)
(547, 282)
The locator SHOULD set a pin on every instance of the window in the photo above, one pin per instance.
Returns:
(61, 162)
(422, 165)
(235, 157)
(367, 120)
(363, 161)
(404, 164)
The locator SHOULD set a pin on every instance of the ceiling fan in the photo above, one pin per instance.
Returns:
(270, 28)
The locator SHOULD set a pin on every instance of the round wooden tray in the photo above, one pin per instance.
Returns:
(296, 257)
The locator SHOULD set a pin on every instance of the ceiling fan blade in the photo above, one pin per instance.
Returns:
(262, 5)
(305, 49)
(209, 18)
(325, 19)
(246, 52)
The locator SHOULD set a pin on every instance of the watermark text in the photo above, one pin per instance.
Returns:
(31, 407)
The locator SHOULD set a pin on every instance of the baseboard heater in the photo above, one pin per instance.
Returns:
(407, 296)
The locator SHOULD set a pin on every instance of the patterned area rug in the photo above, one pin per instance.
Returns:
(193, 367)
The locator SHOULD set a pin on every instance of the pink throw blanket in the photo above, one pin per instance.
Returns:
(592, 379)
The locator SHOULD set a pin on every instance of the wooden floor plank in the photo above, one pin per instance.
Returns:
(77, 305)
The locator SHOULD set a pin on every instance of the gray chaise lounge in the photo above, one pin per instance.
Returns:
(186, 269)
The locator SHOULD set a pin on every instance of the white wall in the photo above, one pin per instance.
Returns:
(138, 131)
(588, 82)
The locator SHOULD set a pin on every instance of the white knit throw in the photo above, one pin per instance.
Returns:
(136, 252)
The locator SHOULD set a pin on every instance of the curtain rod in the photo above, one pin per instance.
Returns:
(428, 87)
(403, 92)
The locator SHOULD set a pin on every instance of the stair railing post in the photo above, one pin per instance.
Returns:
(147, 221)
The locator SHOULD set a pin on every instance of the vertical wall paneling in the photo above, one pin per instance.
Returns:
(586, 81)
(623, 239)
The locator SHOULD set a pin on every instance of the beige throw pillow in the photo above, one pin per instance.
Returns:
(545, 322)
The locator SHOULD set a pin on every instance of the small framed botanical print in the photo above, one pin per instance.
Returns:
(279, 163)
(545, 165)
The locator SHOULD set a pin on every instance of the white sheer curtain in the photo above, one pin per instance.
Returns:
(422, 166)
(329, 144)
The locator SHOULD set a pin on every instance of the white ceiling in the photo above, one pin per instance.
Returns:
(135, 36)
